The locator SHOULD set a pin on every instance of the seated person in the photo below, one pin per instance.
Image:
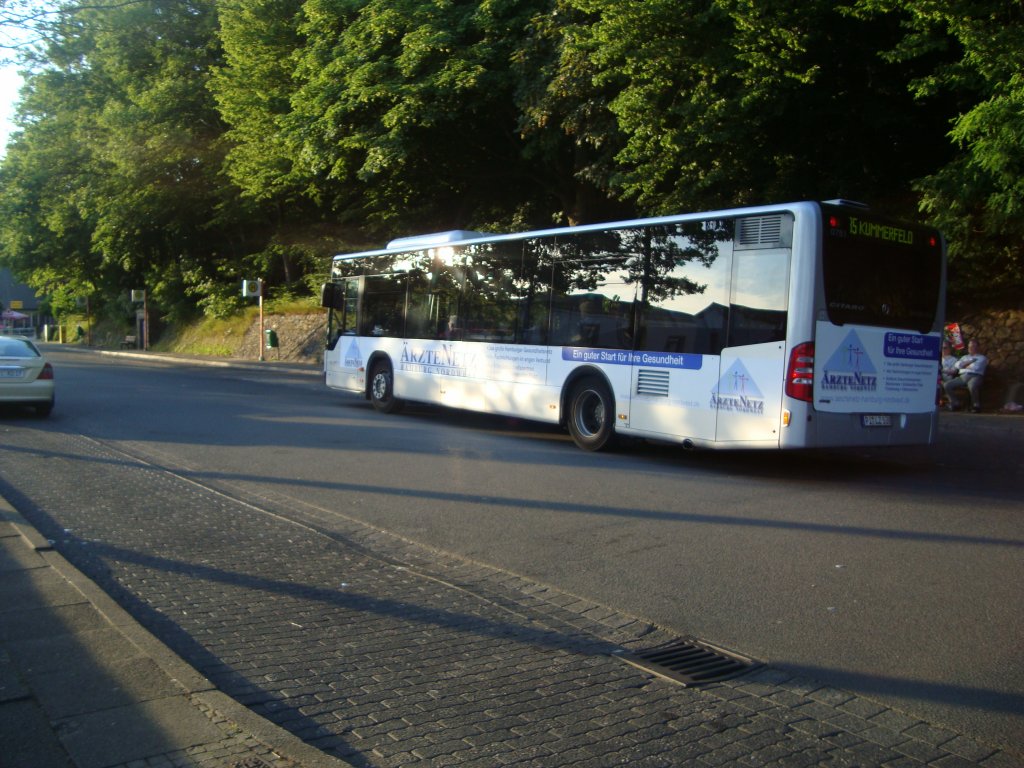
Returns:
(970, 375)
(948, 363)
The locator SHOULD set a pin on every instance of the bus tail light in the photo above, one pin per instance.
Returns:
(800, 373)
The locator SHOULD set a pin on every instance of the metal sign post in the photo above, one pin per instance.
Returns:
(252, 288)
(137, 296)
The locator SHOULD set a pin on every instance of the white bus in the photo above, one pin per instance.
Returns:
(786, 326)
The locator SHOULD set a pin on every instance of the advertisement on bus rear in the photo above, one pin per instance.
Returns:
(862, 369)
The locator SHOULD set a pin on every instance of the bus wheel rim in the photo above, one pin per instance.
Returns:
(590, 414)
(380, 386)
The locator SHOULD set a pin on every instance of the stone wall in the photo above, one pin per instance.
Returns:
(300, 338)
(1001, 335)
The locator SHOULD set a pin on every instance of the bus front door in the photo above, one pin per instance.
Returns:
(343, 359)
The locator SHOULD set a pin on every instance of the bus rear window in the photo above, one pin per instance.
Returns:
(880, 273)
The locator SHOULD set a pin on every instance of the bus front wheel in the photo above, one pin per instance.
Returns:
(382, 388)
(592, 415)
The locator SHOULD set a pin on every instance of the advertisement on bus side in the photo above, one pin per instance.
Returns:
(499, 362)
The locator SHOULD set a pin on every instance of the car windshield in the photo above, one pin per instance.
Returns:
(17, 348)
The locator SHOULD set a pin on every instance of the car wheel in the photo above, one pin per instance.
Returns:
(382, 388)
(592, 415)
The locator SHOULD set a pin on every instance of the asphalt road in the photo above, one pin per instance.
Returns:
(895, 575)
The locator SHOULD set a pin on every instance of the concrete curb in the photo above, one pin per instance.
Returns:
(290, 366)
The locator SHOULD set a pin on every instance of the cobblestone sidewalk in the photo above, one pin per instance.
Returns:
(385, 654)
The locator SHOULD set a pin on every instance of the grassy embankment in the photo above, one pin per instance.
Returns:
(210, 336)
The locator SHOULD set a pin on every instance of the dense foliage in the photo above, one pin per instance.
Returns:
(183, 145)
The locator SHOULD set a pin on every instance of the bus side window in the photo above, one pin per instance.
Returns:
(535, 291)
(562, 320)
(760, 287)
(533, 319)
(687, 289)
(384, 305)
(419, 321)
(488, 304)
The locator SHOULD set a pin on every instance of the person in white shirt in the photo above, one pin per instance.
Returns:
(970, 375)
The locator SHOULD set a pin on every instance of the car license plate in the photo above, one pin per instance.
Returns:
(12, 373)
(876, 420)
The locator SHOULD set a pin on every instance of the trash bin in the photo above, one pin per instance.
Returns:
(271, 336)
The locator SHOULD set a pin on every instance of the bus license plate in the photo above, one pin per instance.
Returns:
(876, 420)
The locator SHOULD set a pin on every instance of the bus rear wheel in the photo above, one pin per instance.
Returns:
(382, 388)
(592, 415)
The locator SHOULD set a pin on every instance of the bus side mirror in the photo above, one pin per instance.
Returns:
(332, 296)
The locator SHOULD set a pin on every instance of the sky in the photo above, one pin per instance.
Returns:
(18, 29)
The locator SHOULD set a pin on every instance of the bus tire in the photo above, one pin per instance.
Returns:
(382, 388)
(592, 414)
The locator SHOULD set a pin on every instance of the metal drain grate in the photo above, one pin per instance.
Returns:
(689, 662)
(251, 762)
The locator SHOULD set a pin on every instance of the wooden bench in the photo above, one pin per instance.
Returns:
(129, 342)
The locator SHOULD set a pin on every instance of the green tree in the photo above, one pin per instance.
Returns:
(405, 110)
(570, 137)
(166, 215)
(735, 102)
(253, 88)
(182, 145)
(121, 146)
(46, 181)
(977, 196)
